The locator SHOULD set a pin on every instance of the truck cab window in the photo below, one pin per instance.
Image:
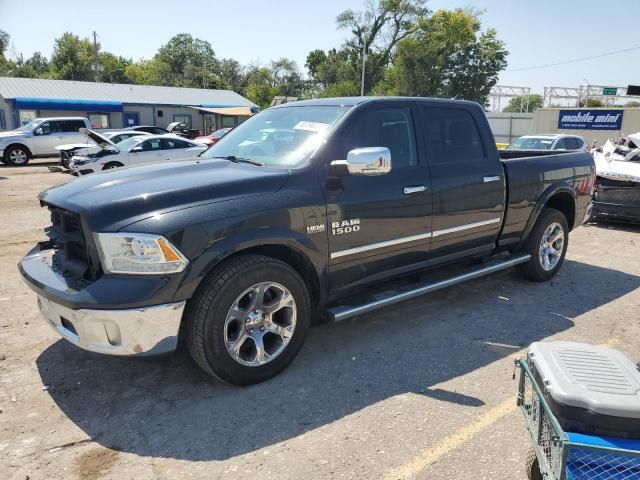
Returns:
(452, 136)
(389, 127)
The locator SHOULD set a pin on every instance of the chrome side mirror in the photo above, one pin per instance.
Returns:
(135, 149)
(367, 161)
(38, 131)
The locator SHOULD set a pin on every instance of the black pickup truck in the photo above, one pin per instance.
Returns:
(307, 209)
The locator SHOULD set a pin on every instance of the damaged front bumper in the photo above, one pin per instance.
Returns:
(113, 315)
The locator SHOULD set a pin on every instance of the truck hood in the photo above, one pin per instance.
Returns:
(113, 199)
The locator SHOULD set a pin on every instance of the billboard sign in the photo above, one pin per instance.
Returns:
(590, 119)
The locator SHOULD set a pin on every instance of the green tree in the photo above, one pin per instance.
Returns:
(6, 66)
(231, 75)
(148, 72)
(632, 104)
(516, 104)
(591, 103)
(192, 61)
(113, 68)
(73, 58)
(4, 42)
(36, 66)
(447, 56)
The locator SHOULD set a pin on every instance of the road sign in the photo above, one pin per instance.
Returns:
(609, 90)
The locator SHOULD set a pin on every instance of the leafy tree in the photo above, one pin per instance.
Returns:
(334, 67)
(231, 75)
(447, 56)
(4, 42)
(632, 104)
(377, 30)
(148, 72)
(73, 58)
(515, 103)
(591, 103)
(191, 61)
(113, 68)
(36, 66)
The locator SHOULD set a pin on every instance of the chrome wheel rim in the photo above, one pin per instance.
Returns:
(551, 246)
(18, 157)
(260, 324)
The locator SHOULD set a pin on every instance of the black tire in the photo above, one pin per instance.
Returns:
(534, 269)
(207, 312)
(111, 165)
(21, 156)
(532, 467)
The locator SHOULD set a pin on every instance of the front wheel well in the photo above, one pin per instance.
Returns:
(295, 259)
(564, 202)
(13, 145)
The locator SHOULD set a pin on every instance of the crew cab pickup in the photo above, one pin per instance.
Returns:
(312, 208)
(39, 138)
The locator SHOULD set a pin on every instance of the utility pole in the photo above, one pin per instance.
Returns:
(364, 60)
(95, 54)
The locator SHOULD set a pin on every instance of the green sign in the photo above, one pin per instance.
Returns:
(609, 91)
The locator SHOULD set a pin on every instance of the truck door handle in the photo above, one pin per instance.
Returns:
(494, 178)
(414, 189)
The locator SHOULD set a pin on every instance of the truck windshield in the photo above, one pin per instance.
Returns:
(283, 136)
(29, 126)
(531, 143)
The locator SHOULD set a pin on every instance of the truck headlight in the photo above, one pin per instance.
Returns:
(138, 253)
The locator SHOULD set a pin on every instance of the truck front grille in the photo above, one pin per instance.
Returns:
(71, 253)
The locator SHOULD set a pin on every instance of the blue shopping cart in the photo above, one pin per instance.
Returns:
(582, 408)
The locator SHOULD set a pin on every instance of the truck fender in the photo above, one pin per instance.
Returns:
(553, 189)
(253, 241)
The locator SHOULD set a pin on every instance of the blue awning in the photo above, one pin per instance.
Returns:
(31, 103)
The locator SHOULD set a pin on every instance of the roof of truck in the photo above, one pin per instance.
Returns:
(352, 101)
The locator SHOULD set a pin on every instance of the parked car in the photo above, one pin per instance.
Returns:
(39, 138)
(235, 253)
(115, 136)
(549, 142)
(212, 137)
(136, 150)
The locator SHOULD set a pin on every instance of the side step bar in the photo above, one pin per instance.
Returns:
(342, 312)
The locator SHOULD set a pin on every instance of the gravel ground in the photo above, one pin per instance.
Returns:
(423, 390)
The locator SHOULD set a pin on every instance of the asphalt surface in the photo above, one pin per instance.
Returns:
(422, 390)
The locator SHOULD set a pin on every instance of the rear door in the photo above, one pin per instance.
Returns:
(151, 152)
(176, 149)
(379, 225)
(467, 179)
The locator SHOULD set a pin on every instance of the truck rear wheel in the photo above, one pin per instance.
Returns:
(547, 244)
(248, 319)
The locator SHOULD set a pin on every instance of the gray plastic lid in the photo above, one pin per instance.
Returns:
(599, 379)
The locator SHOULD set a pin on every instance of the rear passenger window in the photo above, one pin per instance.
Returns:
(561, 144)
(572, 144)
(388, 127)
(452, 136)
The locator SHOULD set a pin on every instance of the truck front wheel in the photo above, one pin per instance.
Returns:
(547, 245)
(248, 319)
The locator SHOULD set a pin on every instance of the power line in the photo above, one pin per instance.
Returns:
(574, 61)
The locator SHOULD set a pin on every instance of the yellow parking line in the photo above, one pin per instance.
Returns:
(446, 445)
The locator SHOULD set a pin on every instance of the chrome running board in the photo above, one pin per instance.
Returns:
(342, 312)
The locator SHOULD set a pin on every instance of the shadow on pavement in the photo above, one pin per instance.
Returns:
(165, 407)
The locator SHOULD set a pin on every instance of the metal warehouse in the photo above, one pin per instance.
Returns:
(109, 105)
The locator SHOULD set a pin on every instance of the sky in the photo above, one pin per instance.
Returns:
(255, 31)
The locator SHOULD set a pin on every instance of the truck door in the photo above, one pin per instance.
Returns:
(467, 178)
(379, 225)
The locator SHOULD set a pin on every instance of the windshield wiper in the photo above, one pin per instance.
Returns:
(235, 159)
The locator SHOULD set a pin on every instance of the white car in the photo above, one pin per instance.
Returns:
(70, 150)
(552, 141)
(137, 150)
(39, 138)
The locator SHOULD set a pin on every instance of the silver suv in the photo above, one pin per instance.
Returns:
(39, 138)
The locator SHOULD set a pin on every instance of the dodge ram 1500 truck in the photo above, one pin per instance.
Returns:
(309, 207)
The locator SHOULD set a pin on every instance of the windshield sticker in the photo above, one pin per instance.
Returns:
(311, 126)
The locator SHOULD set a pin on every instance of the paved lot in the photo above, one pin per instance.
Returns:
(420, 391)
